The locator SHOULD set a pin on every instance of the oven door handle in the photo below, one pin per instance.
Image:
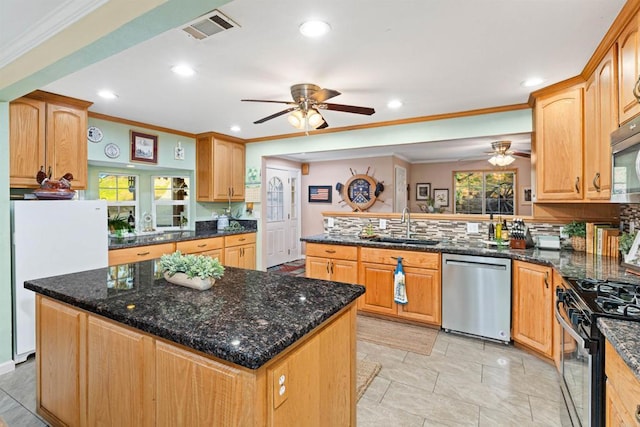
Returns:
(586, 343)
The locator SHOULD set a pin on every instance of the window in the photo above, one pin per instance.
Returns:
(485, 192)
(275, 200)
(170, 203)
(120, 191)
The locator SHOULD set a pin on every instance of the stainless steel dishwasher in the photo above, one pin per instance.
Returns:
(476, 296)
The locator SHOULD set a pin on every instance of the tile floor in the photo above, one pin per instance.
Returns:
(464, 381)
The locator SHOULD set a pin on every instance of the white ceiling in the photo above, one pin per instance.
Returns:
(437, 56)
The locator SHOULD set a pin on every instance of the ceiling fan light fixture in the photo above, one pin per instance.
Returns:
(502, 160)
(314, 29)
(314, 118)
(296, 119)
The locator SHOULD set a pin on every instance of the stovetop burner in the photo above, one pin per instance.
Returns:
(609, 297)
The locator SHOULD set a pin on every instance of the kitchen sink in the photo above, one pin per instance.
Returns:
(401, 240)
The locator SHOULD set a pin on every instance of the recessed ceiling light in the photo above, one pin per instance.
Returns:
(534, 81)
(107, 94)
(314, 28)
(394, 104)
(183, 70)
(235, 128)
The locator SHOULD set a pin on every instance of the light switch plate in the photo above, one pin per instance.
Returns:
(383, 224)
(330, 222)
(472, 227)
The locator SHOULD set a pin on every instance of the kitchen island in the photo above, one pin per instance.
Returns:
(123, 346)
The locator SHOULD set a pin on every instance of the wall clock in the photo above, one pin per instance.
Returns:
(359, 192)
(94, 134)
(112, 151)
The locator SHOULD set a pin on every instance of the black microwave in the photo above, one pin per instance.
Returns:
(625, 168)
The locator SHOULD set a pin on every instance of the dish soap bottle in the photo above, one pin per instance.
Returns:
(399, 289)
(492, 228)
(499, 230)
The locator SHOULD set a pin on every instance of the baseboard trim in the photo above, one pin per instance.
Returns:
(7, 367)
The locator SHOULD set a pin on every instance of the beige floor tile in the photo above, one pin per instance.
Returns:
(494, 418)
(416, 376)
(548, 412)
(533, 384)
(429, 405)
(381, 352)
(371, 414)
(447, 365)
(376, 390)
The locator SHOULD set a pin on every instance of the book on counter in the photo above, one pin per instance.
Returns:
(598, 240)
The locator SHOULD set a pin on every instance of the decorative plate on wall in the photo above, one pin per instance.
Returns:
(94, 134)
(112, 151)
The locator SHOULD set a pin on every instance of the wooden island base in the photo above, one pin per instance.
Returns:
(92, 370)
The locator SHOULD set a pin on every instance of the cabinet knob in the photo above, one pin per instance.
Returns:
(638, 413)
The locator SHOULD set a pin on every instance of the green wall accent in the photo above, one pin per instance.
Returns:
(5, 245)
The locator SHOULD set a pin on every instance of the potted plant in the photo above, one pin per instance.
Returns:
(625, 242)
(194, 271)
(118, 225)
(577, 231)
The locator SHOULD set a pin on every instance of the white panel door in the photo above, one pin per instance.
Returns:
(400, 192)
(283, 212)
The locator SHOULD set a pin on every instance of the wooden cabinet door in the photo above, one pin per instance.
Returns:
(237, 152)
(378, 281)
(204, 169)
(232, 256)
(533, 306)
(241, 256)
(61, 334)
(344, 271)
(423, 295)
(192, 390)
(222, 166)
(120, 376)
(558, 120)
(67, 143)
(601, 118)
(318, 268)
(139, 253)
(214, 253)
(628, 70)
(27, 118)
(616, 415)
(248, 255)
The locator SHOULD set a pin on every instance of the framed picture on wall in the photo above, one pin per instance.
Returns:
(441, 197)
(526, 195)
(423, 191)
(319, 194)
(144, 148)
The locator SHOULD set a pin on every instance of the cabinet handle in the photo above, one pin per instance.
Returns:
(242, 239)
(638, 413)
(331, 266)
(327, 267)
(241, 251)
(50, 172)
(546, 279)
(577, 184)
(143, 253)
(596, 181)
(204, 245)
(330, 251)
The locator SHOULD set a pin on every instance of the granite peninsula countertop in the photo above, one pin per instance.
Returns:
(247, 318)
(170, 236)
(623, 335)
(567, 262)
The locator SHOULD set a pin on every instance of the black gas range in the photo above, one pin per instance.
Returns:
(582, 345)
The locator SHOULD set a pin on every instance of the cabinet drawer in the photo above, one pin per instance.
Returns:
(622, 379)
(239, 239)
(409, 258)
(201, 245)
(332, 251)
(140, 253)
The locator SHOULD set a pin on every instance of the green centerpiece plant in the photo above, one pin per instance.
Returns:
(195, 271)
(577, 232)
(626, 241)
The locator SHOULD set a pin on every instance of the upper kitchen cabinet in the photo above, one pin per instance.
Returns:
(601, 118)
(628, 47)
(558, 145)
(220, 164)
(48, 131)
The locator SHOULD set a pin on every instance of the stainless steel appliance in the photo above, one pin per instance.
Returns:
(476, 296)
(582, 345)
(625, 149)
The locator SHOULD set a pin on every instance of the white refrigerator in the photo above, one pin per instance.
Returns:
(50, 238)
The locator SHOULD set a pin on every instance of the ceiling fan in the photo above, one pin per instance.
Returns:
(308, 99)
(502, 156)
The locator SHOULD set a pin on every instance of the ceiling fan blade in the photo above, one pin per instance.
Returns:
(521, 154)
(347, 108)
(324, 125)
(273, 116)
(324, 94)
(265, 100)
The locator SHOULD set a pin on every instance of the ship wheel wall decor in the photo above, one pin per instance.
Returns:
(360, 192)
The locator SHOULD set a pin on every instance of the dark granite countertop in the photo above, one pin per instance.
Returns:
(247, 318)
(567, 262)
(623, 335)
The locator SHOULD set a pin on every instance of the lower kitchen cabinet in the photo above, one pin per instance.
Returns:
(139, 253)
(422, 282)
(240, 251)
(332, 262)
(212, 247)
(532, 308)
(622, 390)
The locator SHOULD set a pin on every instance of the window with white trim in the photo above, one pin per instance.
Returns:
(121, 193)
(170, 202)
(485, 192)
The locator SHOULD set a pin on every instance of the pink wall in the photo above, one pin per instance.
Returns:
(440, 175)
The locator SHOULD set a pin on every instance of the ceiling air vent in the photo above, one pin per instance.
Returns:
(207, 25)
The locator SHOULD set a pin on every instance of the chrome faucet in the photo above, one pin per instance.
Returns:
(408, 220)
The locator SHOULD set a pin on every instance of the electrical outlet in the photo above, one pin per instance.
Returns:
(330, 222)
(383, 224)
(472, 227)
(563, 235)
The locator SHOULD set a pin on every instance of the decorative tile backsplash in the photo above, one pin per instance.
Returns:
(630, 214)
(453, 231)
